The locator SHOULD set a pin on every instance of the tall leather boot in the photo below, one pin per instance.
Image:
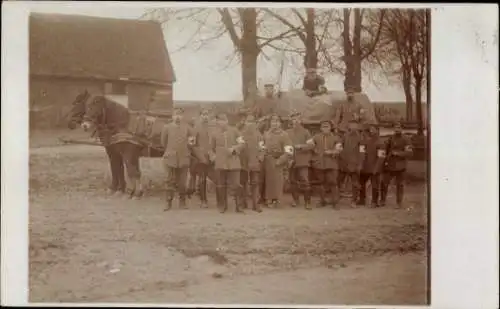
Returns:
(399, 195)
(307, 199)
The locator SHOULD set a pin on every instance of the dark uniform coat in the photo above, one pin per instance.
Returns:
(299, 136)
(398, 150)
(324, 142)
(220, 143)
(175, 140)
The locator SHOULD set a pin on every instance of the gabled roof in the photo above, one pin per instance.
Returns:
(84, 46)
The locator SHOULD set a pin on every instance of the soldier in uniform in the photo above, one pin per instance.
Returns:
(372, 165)
(299, 170)
(200, 154)
(251, 158)
(326, 149)
(278, 151)
(266, 105)
(351, 158)
(398, 149)
(348, 111)
(313, 83)
(176, 138)
(225, 148)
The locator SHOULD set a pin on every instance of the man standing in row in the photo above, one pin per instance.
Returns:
(372, 165)
(200, 155)
(398, 149)
(251, 157)
(326, 147)
(176, 138)
(225, 147)
(351, 158)
(299, 171)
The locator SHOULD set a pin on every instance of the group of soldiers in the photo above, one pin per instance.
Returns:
(250, 165)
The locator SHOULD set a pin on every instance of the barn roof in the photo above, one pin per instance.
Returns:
(109, 48)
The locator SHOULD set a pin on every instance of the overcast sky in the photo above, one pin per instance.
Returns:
(201, 75)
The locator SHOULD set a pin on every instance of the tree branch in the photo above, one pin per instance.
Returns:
(287, 23)
(302, 19)
(281, 36)
(228, 23)
(377, 37)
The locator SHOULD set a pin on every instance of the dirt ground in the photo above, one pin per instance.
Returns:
(89, 247)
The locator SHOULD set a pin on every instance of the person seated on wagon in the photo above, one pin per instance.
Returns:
(312, 83)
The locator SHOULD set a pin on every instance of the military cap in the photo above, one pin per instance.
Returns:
(325, 122)
(179, 110)
(221, 116)
(294, 113)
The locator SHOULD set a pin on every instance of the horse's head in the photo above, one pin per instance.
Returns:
(78, 110)
(94, 114)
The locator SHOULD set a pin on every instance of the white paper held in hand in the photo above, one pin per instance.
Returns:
(339, 146)
(289, 149)
(310, 142)
(240, 140)
(381, 153)
(362, 148)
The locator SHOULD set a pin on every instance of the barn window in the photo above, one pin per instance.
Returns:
(115, 88)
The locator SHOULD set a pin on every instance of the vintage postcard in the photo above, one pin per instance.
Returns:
(250, 154)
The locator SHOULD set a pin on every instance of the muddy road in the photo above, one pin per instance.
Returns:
(89, 247)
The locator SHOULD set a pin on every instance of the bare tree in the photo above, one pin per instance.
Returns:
(242, 25)
(327, 30)
(406, 33)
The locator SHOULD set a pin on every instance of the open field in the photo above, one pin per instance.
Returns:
(87, 247)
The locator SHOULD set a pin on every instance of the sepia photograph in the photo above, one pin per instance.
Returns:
(199, 154)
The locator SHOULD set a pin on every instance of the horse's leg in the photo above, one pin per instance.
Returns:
(132, 153)
(120, 170)
(114, 159)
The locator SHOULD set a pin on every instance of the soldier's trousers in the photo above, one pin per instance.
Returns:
(250, 180)
(228, 183)
(176, 180)
(199, 174)
(262, 183)
(299, 183)
(193, 177)
(386, 180)
(354, 176)
(375, 183)
(328, 180)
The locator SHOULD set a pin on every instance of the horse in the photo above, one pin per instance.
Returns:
(110, 121)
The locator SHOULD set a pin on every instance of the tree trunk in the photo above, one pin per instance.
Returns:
(407, 81)
(418, 101)
(249, 74)
(356, 59)
(347, 44)
(311, 59)
(249, 50)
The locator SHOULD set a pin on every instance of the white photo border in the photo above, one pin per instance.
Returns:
(464, 150)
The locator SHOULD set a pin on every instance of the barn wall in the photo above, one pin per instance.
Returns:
(139, 96)
(50, 99)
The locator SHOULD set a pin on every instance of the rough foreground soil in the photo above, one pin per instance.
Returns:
(88, 247)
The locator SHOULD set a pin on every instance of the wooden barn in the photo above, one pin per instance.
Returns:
(121, 58)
